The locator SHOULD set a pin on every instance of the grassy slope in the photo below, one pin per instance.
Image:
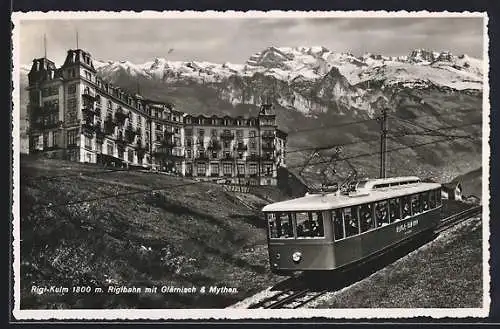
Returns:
(449, 275)
(143, 239)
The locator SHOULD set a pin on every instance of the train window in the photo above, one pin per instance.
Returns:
(438, 197)
(416, 206)
(381, 213)
(406, 209)
(351, 221)
(432, 199)
(280, 226)
(424, 200)
(366, 217)
(394, 210)
(338, 225)
(309, 224)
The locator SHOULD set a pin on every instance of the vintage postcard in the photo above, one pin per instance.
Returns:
(250, 165)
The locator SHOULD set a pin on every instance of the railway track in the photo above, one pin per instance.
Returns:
(297, 297)
(457, 218)
(291, 298)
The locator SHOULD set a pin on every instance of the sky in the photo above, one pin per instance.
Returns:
(234, 40)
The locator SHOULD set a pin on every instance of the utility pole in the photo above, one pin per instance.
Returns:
(383, 142)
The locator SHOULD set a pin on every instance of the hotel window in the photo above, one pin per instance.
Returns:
(55, 138)
(72, 89)
(251, 133)
(158, 127)
(110, 105)
(215, 169)
(110, 148)
(226, 144)
(201, 132)
(120, 153)
(240, 155)
(88, 142)
(268, 169)
(189, 142)
(130, 155)
(45, 92)
(189, 132)
(72, 137)
(241, 169)
(239, 134)
(177, 141)
(227, 168)
(214, 155)
(189, 154)
(88, 76)
(213, 132)
(98, 147)
(252, 169)
(45, 140)
(202, 169)
(253, 145)
(176, 130)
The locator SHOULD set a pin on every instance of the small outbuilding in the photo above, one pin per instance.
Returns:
(452, 191)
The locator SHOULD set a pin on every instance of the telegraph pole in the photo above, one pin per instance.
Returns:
(383, 142)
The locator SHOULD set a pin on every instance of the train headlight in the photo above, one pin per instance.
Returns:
(297, 256)
(278, 255)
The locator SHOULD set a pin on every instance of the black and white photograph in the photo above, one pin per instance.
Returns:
(250, 165)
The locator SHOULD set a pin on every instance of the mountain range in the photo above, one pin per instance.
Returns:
(316, 90)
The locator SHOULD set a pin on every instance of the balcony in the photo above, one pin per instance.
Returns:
(88, 127)
(268, 135)
(120, 140)
(241, 147)
(109, 127)
(89, 110)
(268, 157)
(253, 157)
(214, 145)
(201, 157)
(45, 125)
(227, 135)
(227, 157)
(268, 146)
(120, 116)
(99, 133)
(89, 94)
(130, 134)
(166, 143)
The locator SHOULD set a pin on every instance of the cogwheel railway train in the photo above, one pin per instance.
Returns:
(328, 231)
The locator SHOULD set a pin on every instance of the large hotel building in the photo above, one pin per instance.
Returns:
(76, 115)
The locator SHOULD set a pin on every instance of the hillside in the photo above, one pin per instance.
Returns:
(186, 236)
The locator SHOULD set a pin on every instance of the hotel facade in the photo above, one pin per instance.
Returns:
(76, 115)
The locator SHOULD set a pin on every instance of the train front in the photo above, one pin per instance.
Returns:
(299, 238)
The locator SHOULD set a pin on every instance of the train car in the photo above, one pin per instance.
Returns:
(328, 231)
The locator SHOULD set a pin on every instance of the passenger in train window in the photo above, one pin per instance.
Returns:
(415, 204)
(406, 207)
(271, 219)
(394, 210)
(424, 200)
(318, 229)
(351, 221)
(366, 218)
(284, 226)
(338, 227)
(432, 199)
(308, 224)
(381, 214)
